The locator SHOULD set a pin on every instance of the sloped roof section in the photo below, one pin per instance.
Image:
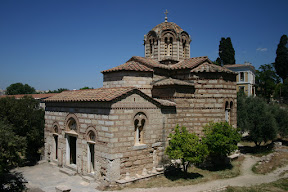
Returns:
(129, 66)
(190, 63)
(137, 63)
(170, 81)
(101, 94)
(239, 66)
(210, 68)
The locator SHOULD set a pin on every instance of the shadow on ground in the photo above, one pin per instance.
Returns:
(12, 181)
(174, 174)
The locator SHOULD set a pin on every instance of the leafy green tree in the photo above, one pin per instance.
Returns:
(60, 90)
(266, 81)
(11, 146)
(226, 51)
(281, 117)
(86, 88)
(187, 147)
(242, 114)
(221, 139)
(19, 88)
(281, 61)
(261, 123)
(27, 120)
(281, 91)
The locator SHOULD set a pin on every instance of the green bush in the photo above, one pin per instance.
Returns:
(187, 147)
(221, 139)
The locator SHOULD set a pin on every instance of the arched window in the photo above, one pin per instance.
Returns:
(139, 124)
(91, 139)
(168, 46)
(227, 112)
(55, 136)
(184, 48)
(152, 43)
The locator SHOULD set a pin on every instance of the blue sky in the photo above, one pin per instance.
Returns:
(51, 44)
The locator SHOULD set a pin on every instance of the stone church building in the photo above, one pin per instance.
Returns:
(120, 131)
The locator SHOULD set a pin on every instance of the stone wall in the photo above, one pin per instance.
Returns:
(140, 80)
(115, 151)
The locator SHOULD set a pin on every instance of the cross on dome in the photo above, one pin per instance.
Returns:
(166, 12)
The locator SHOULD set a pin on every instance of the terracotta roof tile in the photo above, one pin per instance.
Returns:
(170, 81)
(137, 63)
(101, 94)
(208, 67)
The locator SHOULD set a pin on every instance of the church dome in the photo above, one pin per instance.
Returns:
(167, 26)
(167, 43)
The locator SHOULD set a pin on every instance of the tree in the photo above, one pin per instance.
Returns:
(266, 81)
(11, 146)
(187, 147)
(281, 117)
(242, 114)
(281, 60)
(281, 91)
(86, 88)
(60, 90)
(19, 88)
(221, 139)
(226, 51)
(27, 120)
(260, 122)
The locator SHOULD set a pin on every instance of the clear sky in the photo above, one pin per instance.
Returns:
(51, 44)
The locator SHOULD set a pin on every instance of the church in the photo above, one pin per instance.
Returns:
(119, 132)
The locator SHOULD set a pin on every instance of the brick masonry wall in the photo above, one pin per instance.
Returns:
(206, 104)
(115, 150)
(140, 80)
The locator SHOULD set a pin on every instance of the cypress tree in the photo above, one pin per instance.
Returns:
(281, 61)
(226, 51)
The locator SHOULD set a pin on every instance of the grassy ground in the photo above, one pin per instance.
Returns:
(278, 159)
(195, 175)
(277, 186)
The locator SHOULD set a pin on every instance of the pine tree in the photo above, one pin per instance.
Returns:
(281, 61)
(226, 51)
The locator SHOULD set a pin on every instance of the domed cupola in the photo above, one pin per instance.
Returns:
(167, 43)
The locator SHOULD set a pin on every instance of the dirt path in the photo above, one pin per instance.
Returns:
(246, 178)
(46, 177)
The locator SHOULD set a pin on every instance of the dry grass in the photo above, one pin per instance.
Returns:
(195, 175)
(277, 186)
(278, 159)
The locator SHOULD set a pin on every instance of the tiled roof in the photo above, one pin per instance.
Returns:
(190, 63)
(101, 94)
(129, 66)
(208, 67)
(167, 25)
(35, 96)
(170, 81)
(235, 66)
(137, 63)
